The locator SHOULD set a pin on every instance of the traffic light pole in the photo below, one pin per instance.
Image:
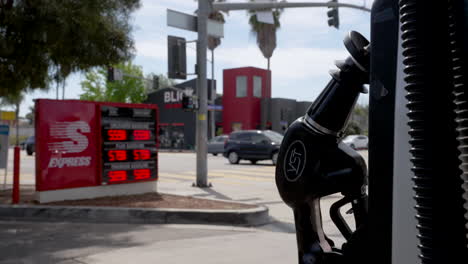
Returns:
(202, 92)
(260, 6)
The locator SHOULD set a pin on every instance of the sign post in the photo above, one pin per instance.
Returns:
(202, 124)
(4, 133)
(204, 27)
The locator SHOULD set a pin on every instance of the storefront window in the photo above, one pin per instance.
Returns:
(241, 86)
(257, 86)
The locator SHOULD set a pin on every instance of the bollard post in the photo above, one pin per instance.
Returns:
(16, 170)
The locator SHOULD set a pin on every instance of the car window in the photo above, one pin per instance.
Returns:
(258, 138)
(361, 137)
(274, 136)
(220, 139)
(244, 137)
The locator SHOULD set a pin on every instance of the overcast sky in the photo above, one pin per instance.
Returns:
(306, 47)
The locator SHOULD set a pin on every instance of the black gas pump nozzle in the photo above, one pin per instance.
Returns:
(312, 163)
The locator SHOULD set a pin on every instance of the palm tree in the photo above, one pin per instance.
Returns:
(265, 33)
(214, 42)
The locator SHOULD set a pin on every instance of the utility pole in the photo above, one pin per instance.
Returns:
(212, 99)
(202, 124)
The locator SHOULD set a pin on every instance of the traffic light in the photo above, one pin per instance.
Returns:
(177, 58)
(333, 17)
(110, 74)
(187, 103)
(155, 82)
(114, 74)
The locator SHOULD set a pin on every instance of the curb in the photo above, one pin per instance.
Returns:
(244, 217)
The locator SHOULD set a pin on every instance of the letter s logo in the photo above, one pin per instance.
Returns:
(74, 132)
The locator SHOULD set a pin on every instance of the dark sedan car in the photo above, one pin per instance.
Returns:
(252, 145)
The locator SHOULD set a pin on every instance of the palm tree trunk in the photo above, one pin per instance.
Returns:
(63, 90)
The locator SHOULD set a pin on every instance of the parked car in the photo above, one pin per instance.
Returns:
(356, 141)
(29, 145)
(216, 144)
(252, 145)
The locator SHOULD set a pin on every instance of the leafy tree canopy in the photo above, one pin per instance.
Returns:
(45, 40)
(128, 90)
(30, 115)
(163, 82)
(11, 99)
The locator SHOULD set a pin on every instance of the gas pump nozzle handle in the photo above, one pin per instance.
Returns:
(311, 161)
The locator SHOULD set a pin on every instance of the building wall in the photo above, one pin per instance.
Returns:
(176, 126)
(244, 110)
(278, 113)
(302, 107)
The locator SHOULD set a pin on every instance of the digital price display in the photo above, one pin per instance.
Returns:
(128, 144)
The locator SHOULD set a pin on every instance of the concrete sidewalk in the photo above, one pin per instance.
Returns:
(67, 243)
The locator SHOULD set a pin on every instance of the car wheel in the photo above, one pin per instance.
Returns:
(253, 161)
(274, 158)
(352, 146)
(29, 152)
(215, 154)
(233, 157)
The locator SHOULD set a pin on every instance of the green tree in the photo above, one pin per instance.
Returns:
(46, 40)
(265, 33)
(163, 81)
(129, 90)
(30, 116)
(359, 121)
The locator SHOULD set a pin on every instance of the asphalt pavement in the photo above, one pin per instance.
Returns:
(27, 242)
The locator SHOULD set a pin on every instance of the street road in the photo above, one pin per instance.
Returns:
(98, 243)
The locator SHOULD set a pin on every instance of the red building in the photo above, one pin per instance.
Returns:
(243, 89)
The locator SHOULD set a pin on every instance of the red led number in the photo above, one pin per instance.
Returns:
(141, 174)
(141, 135)
(117, 134)
(116, 176)
(117, 155)
(141, 154)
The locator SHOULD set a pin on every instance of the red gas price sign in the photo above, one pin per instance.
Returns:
(128, 144)
(117, 155)
(141, 154)
(141, 134)
(117, 176)
(116, 135)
